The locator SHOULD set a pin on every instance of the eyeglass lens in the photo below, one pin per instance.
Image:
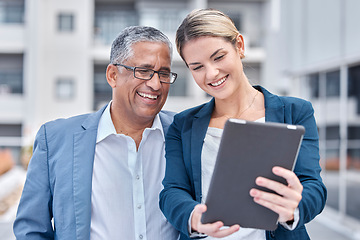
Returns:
(147, 74)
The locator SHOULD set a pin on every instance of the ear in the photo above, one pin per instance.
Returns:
(111, 75)
(240, 45)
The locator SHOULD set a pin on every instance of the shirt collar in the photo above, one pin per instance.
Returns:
(106, 126)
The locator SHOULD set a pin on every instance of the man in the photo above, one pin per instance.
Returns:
(98, 176)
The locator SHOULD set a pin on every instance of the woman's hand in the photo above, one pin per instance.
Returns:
(210, 229)
(289, 198)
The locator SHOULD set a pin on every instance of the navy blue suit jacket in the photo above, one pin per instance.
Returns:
(182, 182)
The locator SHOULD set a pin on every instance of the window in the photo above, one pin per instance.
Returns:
(353, 147)
(102, 90)
(236, 17)
(333, 84)
(179, 87)
(169, 20)
(10, 130)
(353, 199)
(10, 139)
(65, 89)
(111, 18)
(11, 11)
(65, 22)
(353, 133)
(332, 132)
(354, 85)
(314, 85)
(11, 74)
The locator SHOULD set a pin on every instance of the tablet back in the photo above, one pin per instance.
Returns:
(248, 150)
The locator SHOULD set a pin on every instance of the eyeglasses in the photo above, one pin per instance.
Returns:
(147, 74)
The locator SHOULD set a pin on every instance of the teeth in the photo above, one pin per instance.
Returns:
(146, 95)
(218, 82)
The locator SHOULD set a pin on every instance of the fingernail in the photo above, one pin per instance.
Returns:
(253, 192)
(259, 180)
(276, 169)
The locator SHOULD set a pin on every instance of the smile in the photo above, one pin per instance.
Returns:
(218, 83)
(146, 95)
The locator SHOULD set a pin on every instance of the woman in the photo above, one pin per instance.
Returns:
(213, 49)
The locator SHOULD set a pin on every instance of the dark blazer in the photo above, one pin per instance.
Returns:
(182, 182)
(59, 179)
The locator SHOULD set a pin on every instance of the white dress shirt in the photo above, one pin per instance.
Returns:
(126, 185)
(208, 159)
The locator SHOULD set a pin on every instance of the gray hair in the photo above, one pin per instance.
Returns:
(121, 48)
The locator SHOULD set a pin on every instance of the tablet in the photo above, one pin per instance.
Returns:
(248, 150)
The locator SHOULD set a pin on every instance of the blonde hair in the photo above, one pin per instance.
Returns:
(205, 22)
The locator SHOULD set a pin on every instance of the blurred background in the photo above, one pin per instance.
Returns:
(53, 57)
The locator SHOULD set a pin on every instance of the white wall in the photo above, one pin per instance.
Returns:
(51, 55)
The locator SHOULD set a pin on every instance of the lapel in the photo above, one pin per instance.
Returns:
(166, 118)
(84, 152)
(199, 127)
(274, 112)
(274, 107)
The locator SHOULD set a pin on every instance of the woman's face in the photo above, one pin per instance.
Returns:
(215, 65)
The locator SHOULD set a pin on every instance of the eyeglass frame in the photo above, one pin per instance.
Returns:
(172, 75)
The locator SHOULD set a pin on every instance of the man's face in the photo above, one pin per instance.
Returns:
(139, 99)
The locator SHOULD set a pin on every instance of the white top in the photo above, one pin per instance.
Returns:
(208, 159)
(126, 185)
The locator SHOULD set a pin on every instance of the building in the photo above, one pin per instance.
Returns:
(314, 53)
(53, 56)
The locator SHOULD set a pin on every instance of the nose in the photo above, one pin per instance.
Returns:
(212, 72)
(154, 82)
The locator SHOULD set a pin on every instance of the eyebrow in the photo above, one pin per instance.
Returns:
(216, 52)
(211, 56)
(151, 67)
